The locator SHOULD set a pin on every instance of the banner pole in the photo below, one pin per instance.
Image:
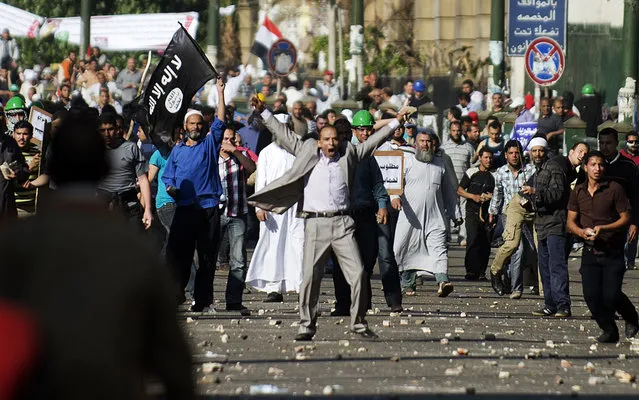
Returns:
(146, 70)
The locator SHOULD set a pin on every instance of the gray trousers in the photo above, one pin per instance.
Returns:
(321, 236)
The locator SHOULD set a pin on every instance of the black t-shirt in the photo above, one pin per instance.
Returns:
(475, 181)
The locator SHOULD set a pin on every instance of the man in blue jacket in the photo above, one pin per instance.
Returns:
(192, 179)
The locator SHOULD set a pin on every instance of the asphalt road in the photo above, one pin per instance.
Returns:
(420, 352)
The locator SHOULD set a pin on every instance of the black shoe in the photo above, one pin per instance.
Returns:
(274, 297)
(608, 337)
(632, 328)
(543, 312)
(471, 276)
(367, 334)
(340, 313)
(396, 308)
(497, 283)
(304, 337)
(245, 312)
(197, 308)
(563, 313)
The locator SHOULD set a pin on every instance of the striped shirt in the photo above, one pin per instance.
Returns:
(26, 198)
(233, 181)
(461, 154)
(506, 185)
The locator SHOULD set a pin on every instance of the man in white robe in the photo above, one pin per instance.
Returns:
(427, 204)
(276, 265)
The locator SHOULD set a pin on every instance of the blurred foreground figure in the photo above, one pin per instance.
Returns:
(98, 294)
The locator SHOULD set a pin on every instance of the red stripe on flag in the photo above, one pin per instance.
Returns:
(272, 27)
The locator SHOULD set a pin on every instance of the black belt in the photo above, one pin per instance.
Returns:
(323, 214)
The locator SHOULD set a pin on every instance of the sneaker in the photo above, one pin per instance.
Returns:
(543, 312)
(534, 290)
(274, 297)
(515, 295)
(470, 276)
(631, 266)
(563, 314)
(445, 288)
(203, 310)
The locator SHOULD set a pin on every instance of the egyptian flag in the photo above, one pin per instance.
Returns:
(265, 37)
(183, 70)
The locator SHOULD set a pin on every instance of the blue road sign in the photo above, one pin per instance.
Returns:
(531, 19)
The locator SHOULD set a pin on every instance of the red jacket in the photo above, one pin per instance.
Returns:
(634, 159)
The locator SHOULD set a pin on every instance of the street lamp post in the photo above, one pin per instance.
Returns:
(85, 18)
(213, 31)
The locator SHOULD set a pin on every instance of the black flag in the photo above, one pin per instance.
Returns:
(183, 70)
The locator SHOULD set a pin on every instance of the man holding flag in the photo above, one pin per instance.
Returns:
(192, 179)
(191, 175)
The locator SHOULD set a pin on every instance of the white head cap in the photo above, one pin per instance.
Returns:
(190, 112)
(537, 142)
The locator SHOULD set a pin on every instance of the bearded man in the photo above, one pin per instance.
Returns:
(428, 202)
(192, 179)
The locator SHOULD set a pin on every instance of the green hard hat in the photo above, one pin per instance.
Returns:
(15, 103)
(14, 88)
(363, 118)
(587, 89)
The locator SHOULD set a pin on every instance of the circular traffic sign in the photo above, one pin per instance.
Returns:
(282, 57)
(544, 61)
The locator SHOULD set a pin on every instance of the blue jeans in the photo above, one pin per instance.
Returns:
(236, 229)
(553, 268)
(408, 279)
(373, 242)
(525, 252)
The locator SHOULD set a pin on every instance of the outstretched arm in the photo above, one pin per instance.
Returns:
(287, 139)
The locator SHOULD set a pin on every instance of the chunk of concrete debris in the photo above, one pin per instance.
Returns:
(590, 367)
(624, 377)
(403, 322)
(459, 330)
(273, 371)
(565, 364)
(550, 344)
(461, 352)
(274, 322)
(426, 330)
(395, 358)
(386, 323)
(444, 341)
(362, 350)
(189, 320)
(559, 380)
(595, 380)
(210, 367)
(504, 374)
(455, 371)
(343, 343)
(224, 338)
(302, 357)
(328, 390)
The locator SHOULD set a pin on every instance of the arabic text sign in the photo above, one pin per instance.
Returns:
(530, 19)
(39, 119)
(523, 132)
(391, 163)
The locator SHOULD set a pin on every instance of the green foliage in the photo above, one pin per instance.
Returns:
(42, 51)
(384, 60)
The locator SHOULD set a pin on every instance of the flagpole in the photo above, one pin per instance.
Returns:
(146, 70)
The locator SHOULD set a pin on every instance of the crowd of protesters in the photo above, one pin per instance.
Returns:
(230, 180)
